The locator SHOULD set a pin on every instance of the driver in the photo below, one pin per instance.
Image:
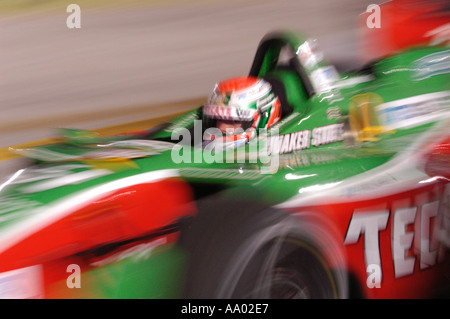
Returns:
(237, 108)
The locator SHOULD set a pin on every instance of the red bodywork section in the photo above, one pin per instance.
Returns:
(126, 217)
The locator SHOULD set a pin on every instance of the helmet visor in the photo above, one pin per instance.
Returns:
(228, 120)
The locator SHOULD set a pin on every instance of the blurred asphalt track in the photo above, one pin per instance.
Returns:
(129, 56)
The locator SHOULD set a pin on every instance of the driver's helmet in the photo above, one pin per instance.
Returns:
(238, 107)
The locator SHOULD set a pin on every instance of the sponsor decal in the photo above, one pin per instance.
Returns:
(289, 142)
(265, 103)
(302, 159)
(323, 79)
(304, 139)
(327, 134)
(228, 113)
(431, 65)
(218, 112)
(245, 114)
(414, 111)
(419, 234)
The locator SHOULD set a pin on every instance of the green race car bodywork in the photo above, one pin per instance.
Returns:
(374, 141)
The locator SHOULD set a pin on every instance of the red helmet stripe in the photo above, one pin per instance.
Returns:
(275, 114)
(236, 84)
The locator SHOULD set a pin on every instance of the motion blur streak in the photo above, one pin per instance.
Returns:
(405, 23)
(143, 52)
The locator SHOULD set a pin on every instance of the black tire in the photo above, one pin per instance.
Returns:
(243, 250)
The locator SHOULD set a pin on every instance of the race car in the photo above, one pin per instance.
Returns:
(346, 196)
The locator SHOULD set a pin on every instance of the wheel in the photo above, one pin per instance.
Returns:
(245, 250)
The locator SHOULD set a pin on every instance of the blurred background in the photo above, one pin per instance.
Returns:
(133, 59)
